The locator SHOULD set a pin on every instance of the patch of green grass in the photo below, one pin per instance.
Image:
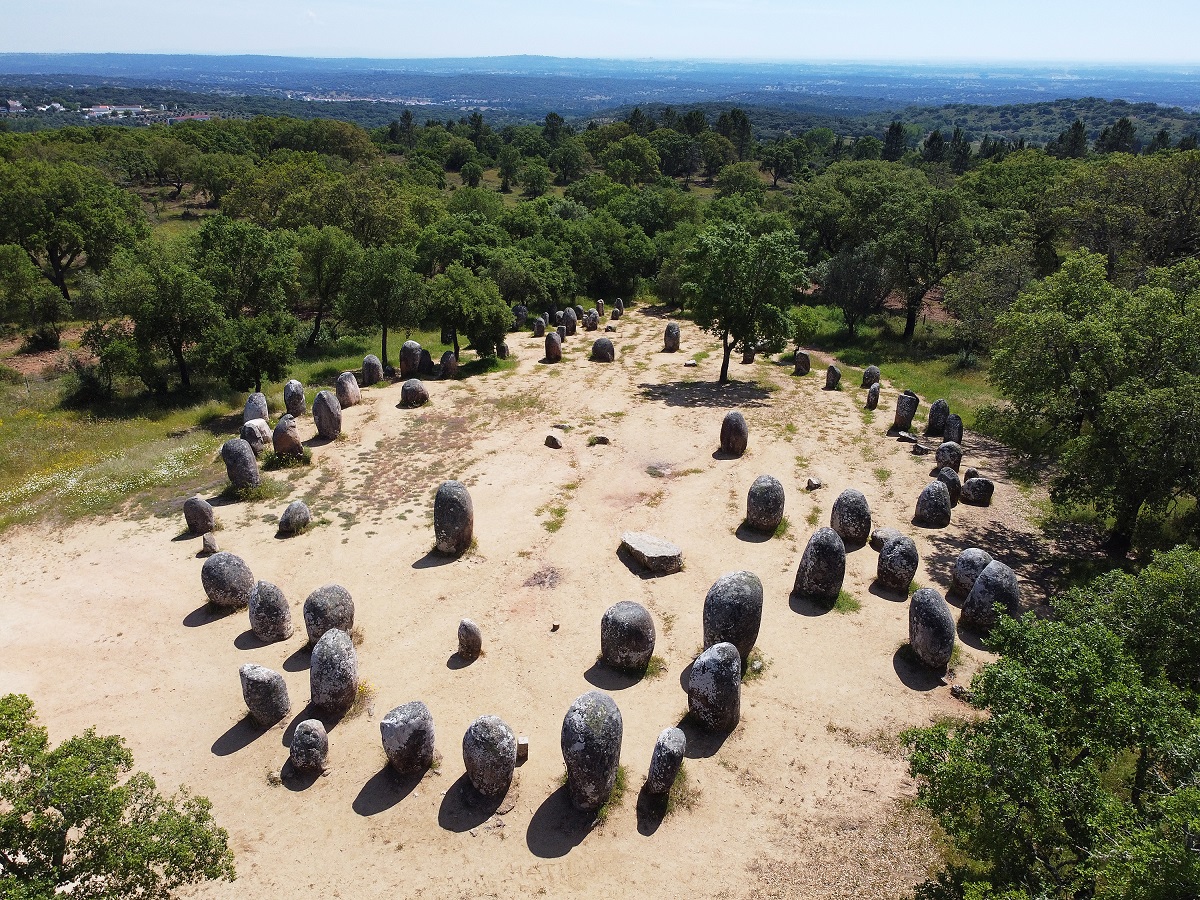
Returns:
(558, 515)
(846, 603)
(782, 528)
(683, 794)
(882, 474)
(913, 587)
(272, 461)
(614, 799)
(595, 439)
(655, 668)
(701, 356)
(814, 516)
(266, 489)
(756, 666)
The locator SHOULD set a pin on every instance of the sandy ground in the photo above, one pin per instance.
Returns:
(104, 623)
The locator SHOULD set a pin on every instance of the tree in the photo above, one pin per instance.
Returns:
(631, 160)
(740, 178)
(65, 217)
(734, 125)
(895, 142)
(1120, 137)
(534, 178)
(934, 148)
(74, 821)
(463, 303)
(384, 292)
(472, 173)
(1072, 143)
(569, 160)
(978, 297)
(27, 299)
(716, 152)
(740, 286)
(327, 257)
(855, 281)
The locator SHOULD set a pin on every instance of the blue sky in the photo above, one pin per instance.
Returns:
(969, 30)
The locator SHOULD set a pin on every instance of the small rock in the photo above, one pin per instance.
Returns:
(897, 565)
(765, 504)
(907, 437)
(553, 442)
(286, 437)
(490, 755)
(256, 433)
(822, 567)
(295, 518)
(327, 414)
(603, 350)
(814, 484)
(735, 433)
(977, 491)
(871, 376)
(553, 347)
(410, 359)
(671, 338)
(209, 546)
(668, 755)
(413, 393)
(227, 581)
(408, 737)
(240, 464)
(881, 536)
(969, 474)
(921, 450)
(851, 518)
(522, 749)
(656, 554)
(803, 363)
(833, 376)
(310, 747)
(470, 640)
(328, 607)
(715, 687)
(933, 506)
(690, 364)
(293, 399)
(347, 390)
(931, 629)
(256, 407)
(613, 329)
(554, 626)
(966, 569)
(333, 672)
(372, 370)
(270, 614)
(906, 408)
(627, 636)
(199, 515)
(733, 612)
(591, 747)
(996, 586)
(265, 693)
(599, 439)
(453, 518)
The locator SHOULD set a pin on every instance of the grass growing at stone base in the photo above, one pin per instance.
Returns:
(846, 603)
(272, 461)
(781, 529)
(614, 799)
(814, 516)
(683, 794)
(656, 668)
(266, 489)
(756, 666)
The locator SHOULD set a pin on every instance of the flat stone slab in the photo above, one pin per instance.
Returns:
(656, 554)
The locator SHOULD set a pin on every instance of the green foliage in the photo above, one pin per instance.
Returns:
(29, 300)
(384, 292)
(462, 302)
(855, 282)
(74, 821)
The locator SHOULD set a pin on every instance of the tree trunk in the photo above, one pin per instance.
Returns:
(910, 320)
(258, 382)
(383, 349)
(316, 329)
(185, 379)
(726, 350)
(454, 335)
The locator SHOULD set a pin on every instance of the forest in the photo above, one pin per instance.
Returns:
(1059, 285)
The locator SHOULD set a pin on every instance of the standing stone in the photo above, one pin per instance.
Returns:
(295, 518)
(553, 347)
(668, 755)
(617, 312)
(833, 376)
(671, 338)
(931, 629)
(906, 408)
(413, 393)
(748, 355)
(897, 566)
(881, 536)
(286, 437)
(603, 350)
(227, 580)
(539, 327)
(470, 640)
(996, 585)
(209, 545)
(966, 569)
(949, 455)
(293, 398)
(764, 504)
(256, 433)
(715, 687)
(333, 672)
(591, 747)
(453, 518)
(822, 567)
(328, 607)
(265, 693)
(490, 755)
(256, 407)
(871, 375)
(407, 733)
(600, 307)
(803, 363)
(559, 318)
(851, 517)
(310, 747)
(372, 370)
(949, 478)
(873, 396)
(936, 423)
(240, 463)
(953, 431)
(970, 473)
(410, 359)
(578, 312)
(733, 612)
(199, 515)
(735, 433)
(347, 390)
(570, 320)
(977, 491)
(449, 364)
(425, 364)
(627, 637)
(553, 442)
(592, 320)
(327, 414)
(933, 506)
(270, 614)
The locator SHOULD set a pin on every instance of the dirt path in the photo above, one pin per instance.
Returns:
(105, 625)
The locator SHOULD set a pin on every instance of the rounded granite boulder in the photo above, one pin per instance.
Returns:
(327, 414)
(873, 396)
(627, 636)
(449, 364)
(347, 390)
(931, 628)
(906, 408)
(966, 569)
(591, 747)
(293, 398)
(453, 518)
(977, 491)
(897, 564)
(265, 693)
(295, 518)
(735, 433)
(881, 536)
(603, 350)
(413, 393)
(490, 755)
(671, 338)
(286, 437)
(953, 430)
(199, 516)
(408, 738)
(995, 587)
(936, 423)
(227, 580)
(871, 375)
(733, 612)
(803, 363)
(949, 455)
(765, 503)
(372, 370)
(933, 506)
(833, 378)
(256, 407)
(851, 518)
(270, 614)
(950, 479)
(333, 672)
(822, 567)
(410, 359)
(240, 464)
(256, 433)
(328, 607)
(309, 751)
(553, 347)
(715, 687)
(665, 761)
(470, 640)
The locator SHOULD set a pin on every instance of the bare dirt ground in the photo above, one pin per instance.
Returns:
(105, 624)
(39, 362)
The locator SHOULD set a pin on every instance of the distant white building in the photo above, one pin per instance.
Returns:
(97, 112)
